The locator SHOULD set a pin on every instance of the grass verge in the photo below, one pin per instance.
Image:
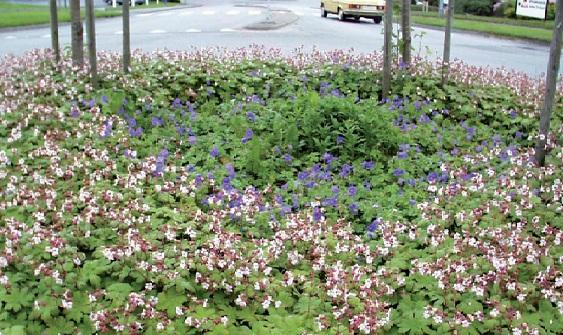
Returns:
(17, 15)
(499, 29)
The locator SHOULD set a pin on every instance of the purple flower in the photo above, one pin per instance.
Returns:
(398, 172)
(192, 139)
(156, 121)
(432, 177)
(74, 111)
(402, 155)
(105, 99)
(107, 128)
(346, 170)
(214, 152)
(352, 191)
(353, 208)
(135, 132)
(177, 103)
(230, 170)
(373, 227)
(247, 136)
(317, 215)
(368, 165)
(339, 139)
(335, 189)
(287, 158)
(251, 116)
(328, 158)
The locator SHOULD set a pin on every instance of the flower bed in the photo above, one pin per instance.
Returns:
(247, 192)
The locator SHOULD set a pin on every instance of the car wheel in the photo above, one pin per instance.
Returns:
(323, 12)
(356, 18)
(377, 19)
(341, 16)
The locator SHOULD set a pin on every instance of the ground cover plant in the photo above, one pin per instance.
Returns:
(248, 192)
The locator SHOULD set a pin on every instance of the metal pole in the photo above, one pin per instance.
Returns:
(447, 43)
(126, 38)
(550, 84)
(55, 30)
(387, 48)
(91, 32)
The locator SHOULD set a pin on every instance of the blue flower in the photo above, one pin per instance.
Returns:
(247, 136)
(105, 99)
(214, 152)
(328, 158)
(287, 158)
(339, 139)
(352, 191)
(317, 215)
(251, 116)
(398, 172)
(373, 227)
(346, 170)
(353, 208)
(135, 132)
(368, 165)
(107, 128)
(156, 121)
(192, 139)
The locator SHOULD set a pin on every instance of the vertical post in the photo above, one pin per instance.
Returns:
(126, 38)
(406, 29)
(147, 2)
(447, 43)
(132, 3)
(387, 51)
(550, 84)
(76, 32)
(55, 30)
(114, 3)
(91, 32)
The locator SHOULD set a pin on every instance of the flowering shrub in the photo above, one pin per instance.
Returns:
(246, 192)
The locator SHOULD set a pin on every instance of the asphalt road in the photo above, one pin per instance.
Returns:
(223, 23)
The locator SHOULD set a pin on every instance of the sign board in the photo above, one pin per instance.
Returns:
(531, 8)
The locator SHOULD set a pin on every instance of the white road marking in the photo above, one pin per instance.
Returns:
(233, 12)
(186, 13)
(227, 30)
(10, 37)
(254, 12)
(208, 12)
(119, 32)
(145, 15)
(157, 31)
(298, 13)
(193, 31)
(46, 36)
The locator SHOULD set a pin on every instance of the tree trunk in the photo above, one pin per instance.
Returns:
(550, 84)
(387, 48)
(406, 29)
(76, 34)
(91, 32)
(126, 38)
(55, 30)
(447, 43)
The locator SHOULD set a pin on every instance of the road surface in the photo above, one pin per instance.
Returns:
(222, 23)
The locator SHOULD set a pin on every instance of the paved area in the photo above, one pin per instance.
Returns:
(224, 23)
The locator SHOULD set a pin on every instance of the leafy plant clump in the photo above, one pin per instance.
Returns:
(242, 192)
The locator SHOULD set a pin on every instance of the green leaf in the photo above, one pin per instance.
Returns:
(169, 300)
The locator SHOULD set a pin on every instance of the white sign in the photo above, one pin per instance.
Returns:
(531, 8)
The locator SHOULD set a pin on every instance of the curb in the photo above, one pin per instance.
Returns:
(278, 19)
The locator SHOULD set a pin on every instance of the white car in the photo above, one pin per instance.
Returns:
(371, 9)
